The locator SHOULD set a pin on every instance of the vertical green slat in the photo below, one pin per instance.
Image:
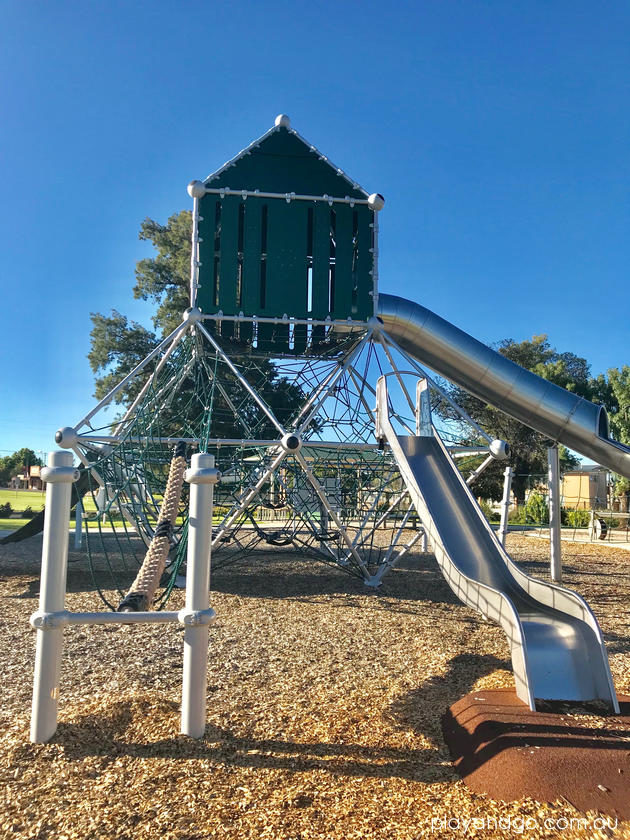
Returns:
(286, 264)
(251, 257)
(321, 259)
(229, 265)
(286, 260)
(229, 246)
(364, 306)
(207, 211)
(342, 307)
(250, 293)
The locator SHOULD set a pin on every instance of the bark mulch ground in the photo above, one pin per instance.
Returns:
(325, 702)
(506, 751)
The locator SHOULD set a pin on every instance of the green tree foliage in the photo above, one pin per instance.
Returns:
(10, 465)
(619, 415)
(165, 278)
(118, 345)
(529, 448)
(619, 411)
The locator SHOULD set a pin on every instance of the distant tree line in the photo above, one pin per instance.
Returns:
(11, 465)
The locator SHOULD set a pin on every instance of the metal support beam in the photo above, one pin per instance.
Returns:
(505, 505)
(482, 466)
(424, 425)
(555, 538)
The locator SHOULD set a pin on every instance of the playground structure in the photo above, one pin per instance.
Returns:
(289, 340)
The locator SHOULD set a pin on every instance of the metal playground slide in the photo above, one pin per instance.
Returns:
(545, 407)
(557, 647)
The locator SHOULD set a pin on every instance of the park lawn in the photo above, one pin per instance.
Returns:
(35, 499)
(21, 499)
(12, 524)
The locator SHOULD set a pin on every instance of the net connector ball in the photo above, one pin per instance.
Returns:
(376, 202)
(196, 189)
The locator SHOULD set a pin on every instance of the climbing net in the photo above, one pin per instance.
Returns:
(330, 498)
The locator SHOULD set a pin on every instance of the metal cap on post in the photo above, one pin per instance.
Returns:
(59, 476)
(202, 476)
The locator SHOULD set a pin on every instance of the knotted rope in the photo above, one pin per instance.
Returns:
(142, 591)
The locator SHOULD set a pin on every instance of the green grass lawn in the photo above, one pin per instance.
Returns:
(21, 499)
(35, 499)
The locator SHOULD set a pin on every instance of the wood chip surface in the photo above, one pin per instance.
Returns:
(324, 707)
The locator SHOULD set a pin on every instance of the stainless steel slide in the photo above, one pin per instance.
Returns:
(558, 652)
(564, 417)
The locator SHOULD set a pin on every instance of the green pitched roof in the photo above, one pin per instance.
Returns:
(282, 161)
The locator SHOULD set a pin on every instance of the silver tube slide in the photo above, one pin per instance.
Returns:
(562, 416)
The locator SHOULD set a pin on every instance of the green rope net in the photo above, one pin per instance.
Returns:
(329, 499)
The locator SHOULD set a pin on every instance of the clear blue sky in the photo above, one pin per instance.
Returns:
(498, 132)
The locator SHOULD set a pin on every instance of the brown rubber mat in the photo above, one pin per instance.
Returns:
(504, 750)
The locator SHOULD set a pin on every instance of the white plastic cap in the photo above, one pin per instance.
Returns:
(500, 450)
(66, 437)
(376, 201)
(283, 121)
(291, 442)
(196, 189)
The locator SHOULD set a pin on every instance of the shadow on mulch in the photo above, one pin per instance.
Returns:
(502, 749)
(282, 574)
(420, 709)
(289, 577)
(106, 737)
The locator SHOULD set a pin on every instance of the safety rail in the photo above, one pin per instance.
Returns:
(51, 617)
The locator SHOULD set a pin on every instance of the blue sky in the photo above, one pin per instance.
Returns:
(498, 133)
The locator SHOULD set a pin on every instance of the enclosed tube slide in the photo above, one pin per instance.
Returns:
(562, 416)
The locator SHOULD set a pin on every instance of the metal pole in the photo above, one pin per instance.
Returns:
(482, 466)
(78, 524)
(505, 505)
(58, 475)
(554, 513)
(424, 425)
(202, 477)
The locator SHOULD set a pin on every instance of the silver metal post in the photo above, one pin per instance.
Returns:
(554, 513)
(78, 524)
(424, 425)
(424, 546)
(58, 475)
(482, 466)
(202, 477)
(505, 505)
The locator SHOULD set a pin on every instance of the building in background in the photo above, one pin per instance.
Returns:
(29, 478)
(585, 488)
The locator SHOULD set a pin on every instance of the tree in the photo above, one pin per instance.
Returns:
(10, 465)
(529, 448)
(165, 279)
(619, 411)
(619, 415)
(118, 345)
